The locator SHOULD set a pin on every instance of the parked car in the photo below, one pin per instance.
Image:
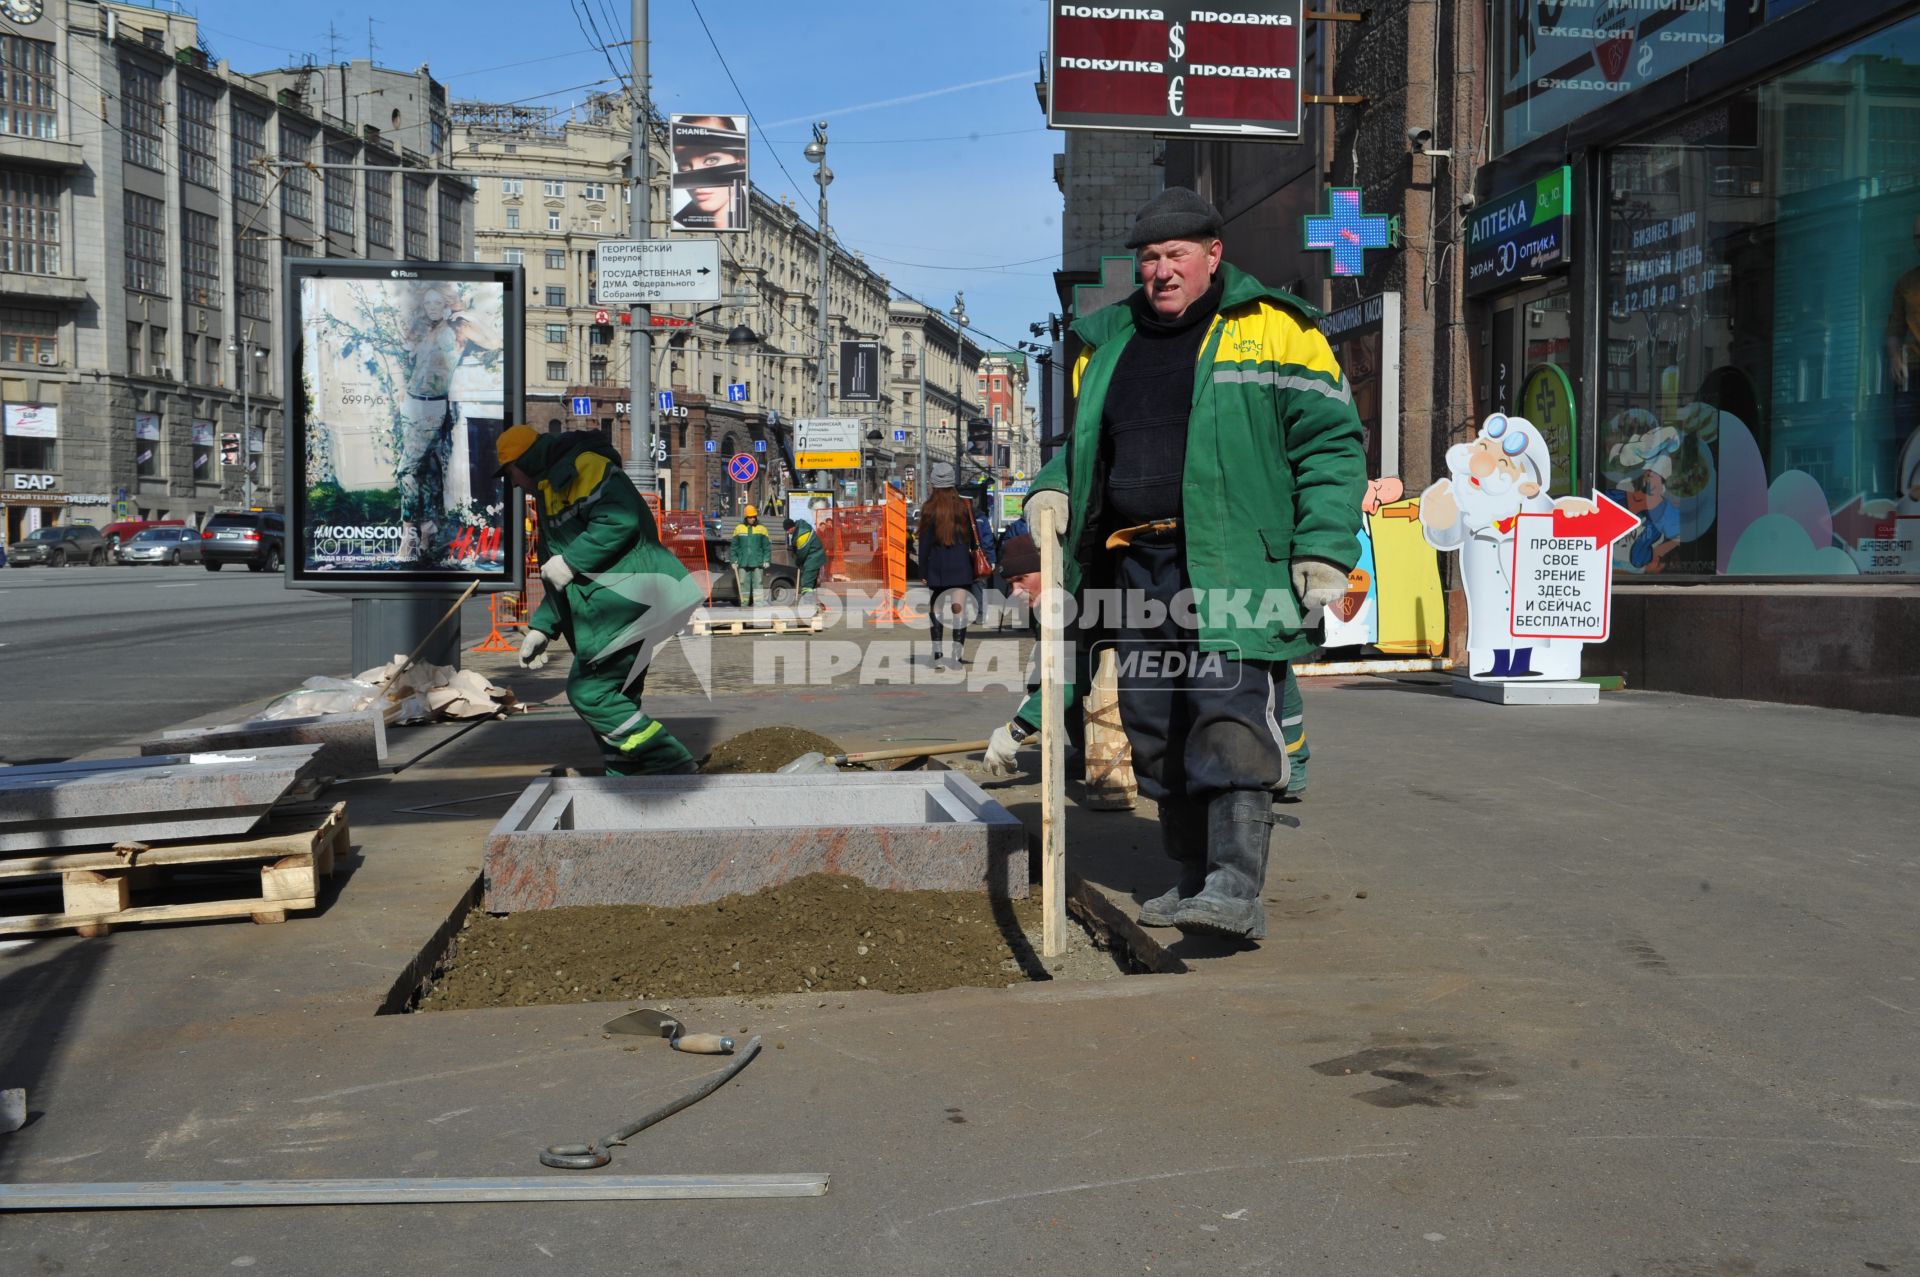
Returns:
(118, 534)
(256, 538)
(57, 547)
(170, 544)
(781, 583)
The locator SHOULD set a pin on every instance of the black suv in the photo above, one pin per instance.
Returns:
(256, 538)
(59, 546)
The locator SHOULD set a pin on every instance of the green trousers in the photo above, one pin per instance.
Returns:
(1293, 726)
(748, 582)
(631, 742)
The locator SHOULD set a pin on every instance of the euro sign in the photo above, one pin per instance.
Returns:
(1177, 44)
(1175, 89)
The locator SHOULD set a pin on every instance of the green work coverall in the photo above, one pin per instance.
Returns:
(750, 551)
(628, 595)
(808, 553)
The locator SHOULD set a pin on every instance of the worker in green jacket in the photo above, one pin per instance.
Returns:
(808, 553)
(749, 552)
(1215, 459)
(613, 591)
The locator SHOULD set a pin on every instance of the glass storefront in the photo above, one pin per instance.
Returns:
(1761, 400)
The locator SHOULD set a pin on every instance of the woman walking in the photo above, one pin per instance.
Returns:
(947, 545)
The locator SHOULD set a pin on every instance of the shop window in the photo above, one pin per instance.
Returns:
(147, 451)
(1761, 407)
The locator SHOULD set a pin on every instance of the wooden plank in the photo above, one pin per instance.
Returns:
(1053, 745)
(271, 846)
(83, 892)
(22, 924)
(1110, 782)
(375, 1192)
(290, 878)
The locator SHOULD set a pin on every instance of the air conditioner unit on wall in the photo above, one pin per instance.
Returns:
(49, 358)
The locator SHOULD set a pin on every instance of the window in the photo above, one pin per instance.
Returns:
(553, 221)
(556, 296)
(556, 259)
(1761, 301)
(136, 351)
(593, 191)
(28, 92)
(140, 115)
(597, 367)
(380, 208)
(414, 192)
(28, 336)
(556, 370)
(557, 333)
(513, 219)
(555, 190)
(296, 179)
(514, 256)
(190, 360)
(29, 223)
(146, 245)
(156, 348)
(250, 272)
(452, 225)
(597, 336)
(30, 454)
(200, 233)
(339, 187)
(512, 186)
(199, 156)
(249, 148)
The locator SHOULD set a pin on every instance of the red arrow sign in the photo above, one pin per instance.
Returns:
(1608, 523)
(1852, 524)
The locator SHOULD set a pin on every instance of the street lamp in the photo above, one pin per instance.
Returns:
(816, 154)
(958, 313)
(245, 371)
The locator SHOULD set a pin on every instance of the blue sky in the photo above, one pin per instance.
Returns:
(941, 156)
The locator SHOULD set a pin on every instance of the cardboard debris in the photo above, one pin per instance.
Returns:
(403, 694)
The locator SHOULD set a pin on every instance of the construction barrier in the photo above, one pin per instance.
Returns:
(856, 543)
(894, 610)
(501, 610)
(684, 532)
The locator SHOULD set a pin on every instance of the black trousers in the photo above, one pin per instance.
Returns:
(1200, 723)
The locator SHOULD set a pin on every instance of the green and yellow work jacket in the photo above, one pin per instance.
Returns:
(751, 547)
(592, 516)
(1275, 468)
(808, 550)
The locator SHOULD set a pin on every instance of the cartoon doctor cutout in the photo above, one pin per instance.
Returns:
(1494, 479)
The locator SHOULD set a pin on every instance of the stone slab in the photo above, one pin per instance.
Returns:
(1527, 691)
(350, 744)
(151, 799)
(684, 840)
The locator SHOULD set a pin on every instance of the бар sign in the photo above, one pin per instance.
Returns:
(1520, 233)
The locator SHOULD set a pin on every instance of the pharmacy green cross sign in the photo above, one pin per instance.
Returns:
(1347, 232)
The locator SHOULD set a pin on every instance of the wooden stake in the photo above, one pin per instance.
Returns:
(1053, 746)
(1110, 781)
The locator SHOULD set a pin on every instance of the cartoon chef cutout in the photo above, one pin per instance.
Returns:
(1494, 479)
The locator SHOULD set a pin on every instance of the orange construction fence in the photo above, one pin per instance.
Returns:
(856, 542)
(684, 532)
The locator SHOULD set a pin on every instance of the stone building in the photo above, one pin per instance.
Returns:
(938, 364)
(142, 253)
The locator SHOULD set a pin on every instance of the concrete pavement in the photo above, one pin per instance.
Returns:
(1630, 990)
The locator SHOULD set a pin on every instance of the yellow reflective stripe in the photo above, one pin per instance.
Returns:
(1270, 334)
(1295, 747)
(640, 737)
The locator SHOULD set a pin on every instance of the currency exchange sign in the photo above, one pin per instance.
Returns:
(1229, 70)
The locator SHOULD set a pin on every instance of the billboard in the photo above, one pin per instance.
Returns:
(403, 376)
(860, 371)
(1177, 68)
(708, 163)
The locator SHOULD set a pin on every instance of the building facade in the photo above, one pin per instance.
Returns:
(938, 367)
(141, 316)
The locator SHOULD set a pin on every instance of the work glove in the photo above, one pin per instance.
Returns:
(1319, 583)
(556, 572)
(1001, 748)
(1047, 500)
(533, 649)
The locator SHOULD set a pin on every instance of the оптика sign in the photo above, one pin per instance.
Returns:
(1520, 233)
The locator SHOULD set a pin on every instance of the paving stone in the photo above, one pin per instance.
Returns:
(151, 799)
(350, 744)
(682, 840)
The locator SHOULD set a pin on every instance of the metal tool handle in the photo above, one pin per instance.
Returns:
(703, 1044)
(913, 751)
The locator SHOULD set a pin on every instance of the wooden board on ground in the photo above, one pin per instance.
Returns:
(1053, 746)
(296, 848)
(750, 624)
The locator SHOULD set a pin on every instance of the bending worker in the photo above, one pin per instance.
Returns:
(809, 555)
(1214, 449)
(613, 591)
(750, 552)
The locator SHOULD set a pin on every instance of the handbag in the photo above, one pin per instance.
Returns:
(982, 566)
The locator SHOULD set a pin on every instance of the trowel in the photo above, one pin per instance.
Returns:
(815, 763)
(648, 1023)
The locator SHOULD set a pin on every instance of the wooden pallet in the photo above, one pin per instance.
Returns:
(297, 848)
(705, 625)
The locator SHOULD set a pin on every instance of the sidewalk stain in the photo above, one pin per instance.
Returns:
(1431, 1075)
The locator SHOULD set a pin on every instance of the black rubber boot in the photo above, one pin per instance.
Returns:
(1183, 836)
(1239, 824)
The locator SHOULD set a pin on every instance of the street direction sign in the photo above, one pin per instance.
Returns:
(899, 436)
(666, 401)
(742, 468)
(713, 445)
(658, 270)
(759, 445)
(582, 406)
(736, 392)
(827, 443)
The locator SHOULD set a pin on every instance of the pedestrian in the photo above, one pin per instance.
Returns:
(613, 591)
(1214, 449)
(948, 539)
(749, 553)
(809, 555)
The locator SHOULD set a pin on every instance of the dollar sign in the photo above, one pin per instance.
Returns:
(1646, 61)
(1177, 42)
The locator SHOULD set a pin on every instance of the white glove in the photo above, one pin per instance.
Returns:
(1047, 500)
(1001, 748)
(556, 572)
(1318, 582)
(533, 649)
